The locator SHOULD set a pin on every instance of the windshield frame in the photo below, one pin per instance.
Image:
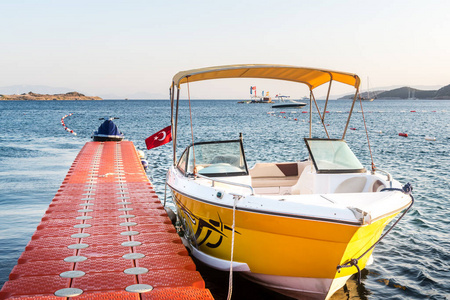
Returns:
(187, 152)
(332, 171)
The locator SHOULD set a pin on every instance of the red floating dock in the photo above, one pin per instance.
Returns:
(105, 236)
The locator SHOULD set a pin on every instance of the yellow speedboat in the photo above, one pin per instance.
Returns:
(299, 228)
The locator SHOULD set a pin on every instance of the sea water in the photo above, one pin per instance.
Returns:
(412, 262)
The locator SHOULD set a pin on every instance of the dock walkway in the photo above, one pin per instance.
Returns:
(105, 235)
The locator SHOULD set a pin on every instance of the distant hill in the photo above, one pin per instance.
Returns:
(34, 96)
(408, 93)
(443, 93)
(39, 89)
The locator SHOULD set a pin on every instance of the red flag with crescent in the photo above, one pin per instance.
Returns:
(160, 138)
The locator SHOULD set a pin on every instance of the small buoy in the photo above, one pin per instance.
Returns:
(327, 112)
(430, 138)
(377, 131)
(304, 112)
(282, 112)
(403, 134)
(141, 154)
(413, 111)
(352, 128)
(295, 120)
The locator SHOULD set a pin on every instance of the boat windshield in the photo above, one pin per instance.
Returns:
(222, 158)
(333, 156)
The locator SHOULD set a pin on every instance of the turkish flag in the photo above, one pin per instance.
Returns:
(160, 138)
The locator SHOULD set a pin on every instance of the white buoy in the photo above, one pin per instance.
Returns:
(141, 154)
(377, 131)
(430, 138)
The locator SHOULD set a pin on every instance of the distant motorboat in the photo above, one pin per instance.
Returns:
(286, 102)
(107, 131)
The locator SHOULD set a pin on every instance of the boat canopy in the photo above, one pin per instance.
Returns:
(309, 76)
(313, 78)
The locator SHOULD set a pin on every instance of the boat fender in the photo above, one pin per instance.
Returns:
(403, 134)
(172, 215)
(430, 138)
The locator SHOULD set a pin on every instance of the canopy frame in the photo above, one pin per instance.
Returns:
(311, 77)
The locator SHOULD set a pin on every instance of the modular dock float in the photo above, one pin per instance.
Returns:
(105, 236)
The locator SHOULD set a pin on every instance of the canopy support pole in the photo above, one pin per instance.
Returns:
(171, 95)
(310, 112)
(350, 114)
(320, 116)
(326, 102)
(174, 137)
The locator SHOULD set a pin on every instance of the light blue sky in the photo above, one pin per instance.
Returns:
(121, 48)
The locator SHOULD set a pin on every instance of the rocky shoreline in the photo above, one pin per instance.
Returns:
(47, 97)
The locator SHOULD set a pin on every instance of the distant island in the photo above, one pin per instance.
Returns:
(405, 93)
(46, 97)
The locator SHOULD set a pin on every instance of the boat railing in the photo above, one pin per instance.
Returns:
(388, 175)
(213, 181)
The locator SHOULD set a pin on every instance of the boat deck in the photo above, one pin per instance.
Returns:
(105, 235)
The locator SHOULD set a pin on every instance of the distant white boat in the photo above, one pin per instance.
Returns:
(285, 102)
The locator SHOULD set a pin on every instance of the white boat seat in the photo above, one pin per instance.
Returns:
(352, 185)
(274, 181)
(274, 174)
(377, 186)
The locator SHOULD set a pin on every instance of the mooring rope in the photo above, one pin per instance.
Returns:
(236, 198)
(407, 189)
(367, 134)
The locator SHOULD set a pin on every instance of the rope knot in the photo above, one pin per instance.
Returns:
(407, 188)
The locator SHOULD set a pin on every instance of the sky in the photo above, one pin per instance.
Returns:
(132, 49)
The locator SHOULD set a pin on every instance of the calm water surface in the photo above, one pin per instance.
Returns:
(412, 262)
